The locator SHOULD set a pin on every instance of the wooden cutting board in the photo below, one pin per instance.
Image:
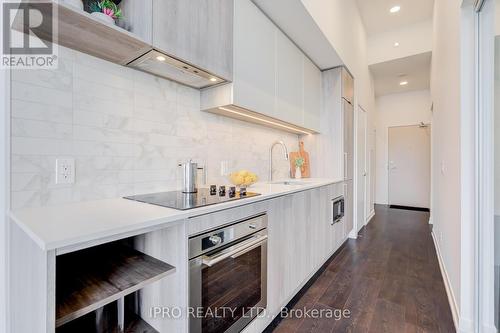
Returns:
(306, 168)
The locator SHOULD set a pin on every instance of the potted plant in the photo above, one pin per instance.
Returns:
(299, 163)
(105, 10)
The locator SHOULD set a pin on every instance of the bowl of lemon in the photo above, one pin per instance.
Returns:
(243, 178)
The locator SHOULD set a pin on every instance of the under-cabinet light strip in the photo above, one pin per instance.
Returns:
(265, 121)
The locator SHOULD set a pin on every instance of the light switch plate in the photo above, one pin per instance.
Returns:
(65, 171)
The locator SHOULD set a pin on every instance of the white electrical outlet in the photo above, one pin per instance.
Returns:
(65, 171)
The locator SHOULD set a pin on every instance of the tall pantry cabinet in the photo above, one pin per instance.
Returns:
(334, 146)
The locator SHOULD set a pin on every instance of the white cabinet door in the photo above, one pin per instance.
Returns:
(293, 245)
(197, 31)
(289, 81)
(349, 207)
(327, 229)
(312, 95)
(286, 246)
(323, 236)
(254, 58)
(334, 233)
(348, 115)
(316, 222)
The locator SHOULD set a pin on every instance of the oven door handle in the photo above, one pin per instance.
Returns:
(239, 250)
(246, 250)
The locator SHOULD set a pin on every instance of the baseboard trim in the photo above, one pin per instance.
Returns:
(418, 209)
(447, 284)
(489, 329)
(353, 234)
(370, 217)
(466, 326)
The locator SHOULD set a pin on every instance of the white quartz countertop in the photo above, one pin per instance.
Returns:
(55, 227)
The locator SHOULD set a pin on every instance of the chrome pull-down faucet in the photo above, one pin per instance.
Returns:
(285, 151)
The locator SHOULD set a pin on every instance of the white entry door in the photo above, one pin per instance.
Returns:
(409, 166)
(361, 170)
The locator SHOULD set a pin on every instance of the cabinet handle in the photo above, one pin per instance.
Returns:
(345, 166)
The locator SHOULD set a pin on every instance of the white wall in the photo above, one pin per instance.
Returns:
(497, 165)
(341, 23)
(126, 129)
(4, 192)
(4, 195)
(446, 183)
(396, 110)
(4, 186)
(497, 122)
(413, 39)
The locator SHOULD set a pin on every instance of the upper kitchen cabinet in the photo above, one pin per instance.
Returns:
(289, 80)
(199, 32)
(312, 95)
(192, 42)
(254, 58)
(269, 83)
(186, 41)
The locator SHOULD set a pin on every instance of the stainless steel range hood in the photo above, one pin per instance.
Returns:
(161, 64)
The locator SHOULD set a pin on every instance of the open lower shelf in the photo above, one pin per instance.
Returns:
(89, 279)
(133, 324)
(136, 324)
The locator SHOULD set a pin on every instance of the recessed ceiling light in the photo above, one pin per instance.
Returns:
(161, 58)
(395, 9)
(213, 79)
(396, 44)
(403, 83)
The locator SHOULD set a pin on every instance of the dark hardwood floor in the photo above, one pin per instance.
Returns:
(389, 280)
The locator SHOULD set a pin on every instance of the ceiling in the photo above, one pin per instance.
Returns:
(377, 18)
(414, 69)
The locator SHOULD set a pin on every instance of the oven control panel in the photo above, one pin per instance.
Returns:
(225, 235)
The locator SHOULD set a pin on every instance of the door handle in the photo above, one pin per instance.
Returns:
(246, 250)
(234, 252)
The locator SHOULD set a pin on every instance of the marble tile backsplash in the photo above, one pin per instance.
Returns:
(127, 131)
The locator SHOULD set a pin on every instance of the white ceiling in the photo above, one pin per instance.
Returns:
(377, 18)
(415, 69)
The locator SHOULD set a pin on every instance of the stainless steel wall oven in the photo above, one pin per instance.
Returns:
(228, 276)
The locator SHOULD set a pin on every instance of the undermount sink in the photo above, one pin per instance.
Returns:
(290, 182)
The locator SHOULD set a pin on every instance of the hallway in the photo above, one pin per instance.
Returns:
(389, 279)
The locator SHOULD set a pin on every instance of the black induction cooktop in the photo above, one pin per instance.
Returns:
(184, 201)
